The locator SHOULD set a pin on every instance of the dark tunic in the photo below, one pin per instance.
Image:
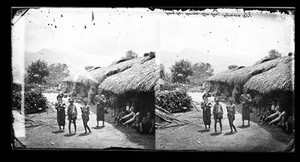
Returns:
(147, 123)
(246, 103)
(61, 114)
(101, 104)
(85, 112)
(231, 113)
(72, 112)
(218, 111)
(206, 107)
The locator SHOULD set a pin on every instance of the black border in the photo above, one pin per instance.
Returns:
(121, 155)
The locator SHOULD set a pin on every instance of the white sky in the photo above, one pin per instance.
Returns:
(141, 30)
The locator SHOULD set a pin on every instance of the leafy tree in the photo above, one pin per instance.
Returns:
(57, 72)
(130, 54)
(37, 72)
(232, 67)
(274, 54)
(162, 71)
(168, 77)
(181, 70)
(201, 71)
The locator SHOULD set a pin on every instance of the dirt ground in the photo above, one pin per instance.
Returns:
(42, 131)
(193, 136)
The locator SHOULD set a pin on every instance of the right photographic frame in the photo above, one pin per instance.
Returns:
(226, 80)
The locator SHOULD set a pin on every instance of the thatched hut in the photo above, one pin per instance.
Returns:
(277, 82)
(131, 80)
(79, 83)
(242, 75)
(239, 76)
(280, 78)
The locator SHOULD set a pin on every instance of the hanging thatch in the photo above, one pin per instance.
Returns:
(241, 76)
(101, 73)
(141, 76)
(279, 78)
(83, 77)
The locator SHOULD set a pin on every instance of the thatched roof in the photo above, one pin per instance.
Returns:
(280, 77)
(81, 77)
(241, 76)
(138, 75)
(101, 73)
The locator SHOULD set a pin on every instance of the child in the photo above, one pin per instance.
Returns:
(231, 115)
(85, 112)
(72, 115)
(218, 114)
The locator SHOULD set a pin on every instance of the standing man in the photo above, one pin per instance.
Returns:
(72, 115)
(206, 107)
(218, 114)
(101, 104)
(245, 99)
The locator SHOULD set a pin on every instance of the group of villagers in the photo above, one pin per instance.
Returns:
(271, 114)
(128, 115)
(123, 115)
(217, 111)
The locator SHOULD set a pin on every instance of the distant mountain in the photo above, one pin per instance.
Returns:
(50, 56)
(219, 63)
(73, 61)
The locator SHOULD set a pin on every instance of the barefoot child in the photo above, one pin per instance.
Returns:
(85, 112)
(72, 115)
(218, 114)
(231, 115)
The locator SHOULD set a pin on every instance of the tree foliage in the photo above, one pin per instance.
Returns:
(57, 72)
(201, 71)
(232, 67)
(274, 54)
(37, 72)
(130, 54)
(181, 70)
(162, 71)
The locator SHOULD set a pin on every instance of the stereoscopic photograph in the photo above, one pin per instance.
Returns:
(153, 79)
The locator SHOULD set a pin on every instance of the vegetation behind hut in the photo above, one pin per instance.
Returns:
(173, 101)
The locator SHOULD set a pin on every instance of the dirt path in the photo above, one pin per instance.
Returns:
(47, 135)
(193, 136)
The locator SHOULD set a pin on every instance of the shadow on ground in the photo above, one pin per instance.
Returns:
(99, 127)
(58, 131)
(69, 134)
(215, 134)
(203, 131)
(147, 141)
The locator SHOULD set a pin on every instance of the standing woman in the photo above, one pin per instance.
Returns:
(218, 114)
(245, 99)
(231, 115)
(61, 113)
(206, 106)
(101, 104)
(72, 115)
(85, 112)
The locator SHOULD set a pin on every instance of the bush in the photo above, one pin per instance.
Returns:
(16, 101)
(35, 102)
(173, 101)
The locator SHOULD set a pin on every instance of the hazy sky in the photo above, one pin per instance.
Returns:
(72, 31)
